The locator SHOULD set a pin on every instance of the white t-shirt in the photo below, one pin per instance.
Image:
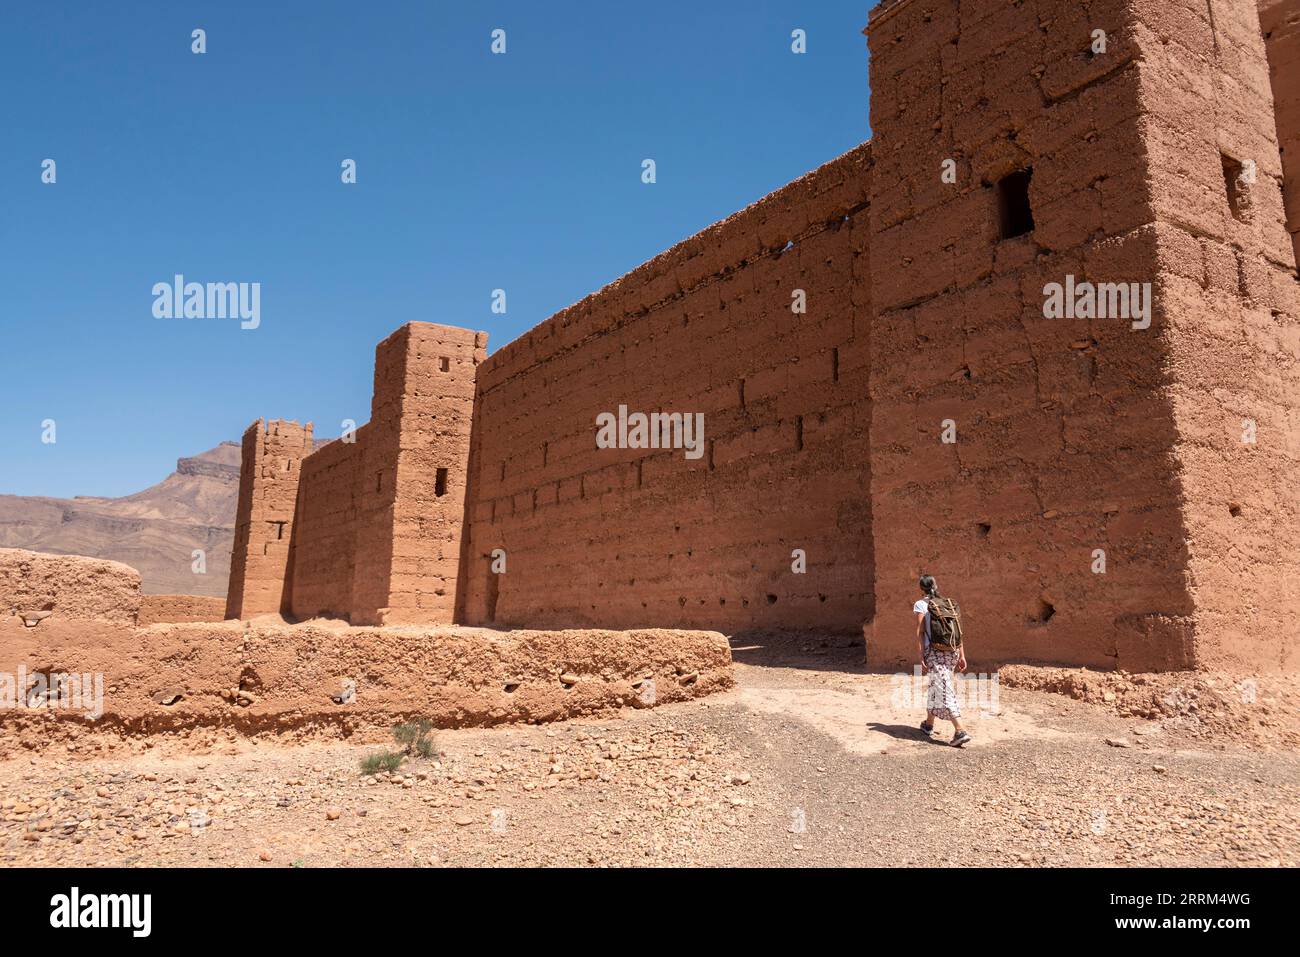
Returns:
(923, 606)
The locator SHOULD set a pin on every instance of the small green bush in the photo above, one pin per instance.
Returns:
(414, 738)
(381, 761)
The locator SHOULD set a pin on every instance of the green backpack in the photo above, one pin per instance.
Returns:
(945, 623)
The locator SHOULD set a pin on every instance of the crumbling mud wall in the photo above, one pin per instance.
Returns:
(331, 679)
(273, 453)
(630, 537)
(177, 608)
(38, 591)
(1085, 495)
(1280, 22)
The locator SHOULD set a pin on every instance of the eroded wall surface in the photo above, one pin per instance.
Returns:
(180, 608)
(630, 537)
(1280, 22)
(41, 591)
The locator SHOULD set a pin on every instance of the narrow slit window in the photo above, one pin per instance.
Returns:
(1236, 181)
(1015, 216)
(440, 483)
(444, 364)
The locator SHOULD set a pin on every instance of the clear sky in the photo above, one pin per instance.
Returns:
(475, 172)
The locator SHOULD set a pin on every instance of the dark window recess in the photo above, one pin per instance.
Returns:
(444, 364)
(379, 481)
(440, 483)
(1015, 217)
(1237, 188)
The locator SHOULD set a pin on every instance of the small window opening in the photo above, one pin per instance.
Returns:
(440, 484)
(1236, 182)
(444, 364)
(1015, 216)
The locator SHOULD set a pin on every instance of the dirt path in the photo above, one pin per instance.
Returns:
(807, 761)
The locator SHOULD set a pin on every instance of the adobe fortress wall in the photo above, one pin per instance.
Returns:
(1109, 484)
(626, 537)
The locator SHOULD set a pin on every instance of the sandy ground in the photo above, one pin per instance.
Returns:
(809, 761)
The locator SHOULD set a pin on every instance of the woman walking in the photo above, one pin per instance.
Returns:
(939, 641)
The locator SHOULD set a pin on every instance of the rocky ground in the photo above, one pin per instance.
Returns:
(808, 761)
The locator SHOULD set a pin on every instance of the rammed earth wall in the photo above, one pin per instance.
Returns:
(1103, 485)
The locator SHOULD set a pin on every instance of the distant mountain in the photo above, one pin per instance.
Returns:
(154, 531)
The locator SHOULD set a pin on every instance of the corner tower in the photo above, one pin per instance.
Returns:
(1100, 479)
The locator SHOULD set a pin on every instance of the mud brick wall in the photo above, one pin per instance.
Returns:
(1229, 325)
(626, 538)
(1280, 22)
(179, 608)
(323, 548)
(377, 531)
(268, 490)
(1075, 437)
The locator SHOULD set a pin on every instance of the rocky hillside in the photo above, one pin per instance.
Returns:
(154, 531)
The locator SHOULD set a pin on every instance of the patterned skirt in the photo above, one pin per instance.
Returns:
(941, 699)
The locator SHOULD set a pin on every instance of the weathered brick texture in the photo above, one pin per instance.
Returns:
(1083, 436)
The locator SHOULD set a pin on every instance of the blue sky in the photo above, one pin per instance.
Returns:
(476, 171)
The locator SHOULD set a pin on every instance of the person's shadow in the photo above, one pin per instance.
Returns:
(904, 732)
